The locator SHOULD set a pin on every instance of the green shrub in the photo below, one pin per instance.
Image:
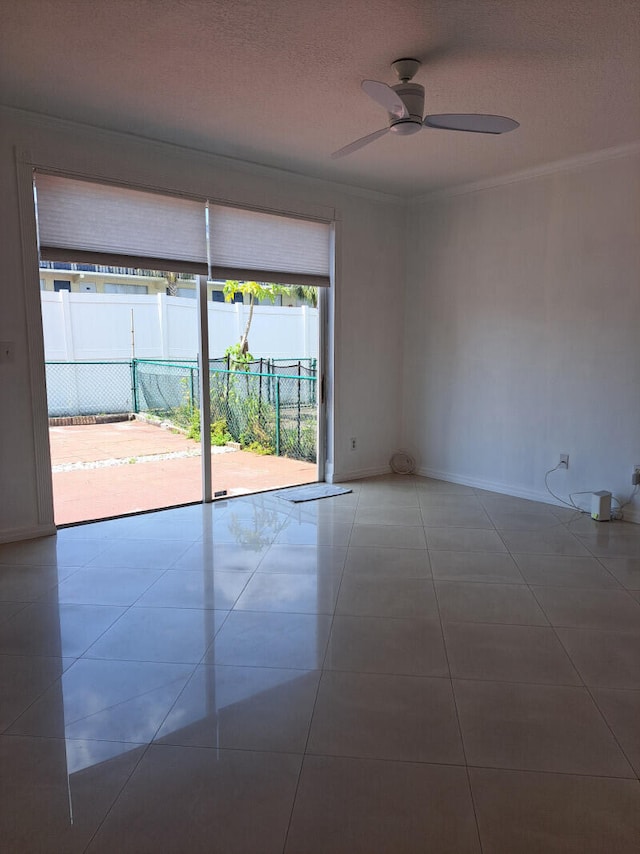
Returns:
(238, 361)
(258, 448)
(219, 433)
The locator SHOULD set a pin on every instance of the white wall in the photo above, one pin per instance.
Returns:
(368, 309)
(523, 332)
(98, 326)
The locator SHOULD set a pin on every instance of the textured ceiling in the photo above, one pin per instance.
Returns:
(277, 82)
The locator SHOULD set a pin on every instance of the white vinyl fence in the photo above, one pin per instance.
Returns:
(84, 326)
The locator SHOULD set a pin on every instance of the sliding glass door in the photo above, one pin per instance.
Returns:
(188, 340)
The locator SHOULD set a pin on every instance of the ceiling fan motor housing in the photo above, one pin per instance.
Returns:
(412, 96)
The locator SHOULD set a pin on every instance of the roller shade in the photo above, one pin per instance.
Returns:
(267, 247)
(87, 222)
(109, 224)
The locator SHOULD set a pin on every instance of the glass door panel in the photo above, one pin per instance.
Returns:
(264, 386)
(121, 369)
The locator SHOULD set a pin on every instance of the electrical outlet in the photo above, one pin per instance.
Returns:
(635, 477)
(564, 461)
(352, 443)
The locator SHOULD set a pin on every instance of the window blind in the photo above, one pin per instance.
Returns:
(268, 247)
(83, 221)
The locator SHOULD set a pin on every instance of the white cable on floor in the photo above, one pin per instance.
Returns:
(557, 497)
(571, 503)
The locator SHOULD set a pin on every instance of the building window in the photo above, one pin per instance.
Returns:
(238, 296)
(277, 300)
(61, 285)
(217, 296)
(114, 288)
(186, 292)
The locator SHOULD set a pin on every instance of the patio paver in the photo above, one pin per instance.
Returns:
(96, 493)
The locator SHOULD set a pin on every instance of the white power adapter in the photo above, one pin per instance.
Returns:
(601, 506)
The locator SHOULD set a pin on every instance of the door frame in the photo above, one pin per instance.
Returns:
(25, 165)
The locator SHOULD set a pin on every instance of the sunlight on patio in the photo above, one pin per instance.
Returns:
(102, 470)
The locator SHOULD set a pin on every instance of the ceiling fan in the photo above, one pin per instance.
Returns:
(405, 104)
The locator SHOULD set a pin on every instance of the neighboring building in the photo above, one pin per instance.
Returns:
(94, 278)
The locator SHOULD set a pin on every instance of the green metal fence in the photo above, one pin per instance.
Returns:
(272, 411)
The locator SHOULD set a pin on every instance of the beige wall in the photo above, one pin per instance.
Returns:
(152, 285)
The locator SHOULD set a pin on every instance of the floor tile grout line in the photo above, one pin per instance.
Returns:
(199, 663)
(127, 700)
(458, 721)
(404, 674)
(145, 749)
(149, 744)
(633, 778)
(588, 689)
(315, 699)
(602, 591)
(585, 686)
(629, 760)
(224, 621)
(615, 578)
(575, 668)
(470, 766)
(521, 682)
(24, 711)
(117, 795)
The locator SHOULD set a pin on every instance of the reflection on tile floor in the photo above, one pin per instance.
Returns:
(414, 666)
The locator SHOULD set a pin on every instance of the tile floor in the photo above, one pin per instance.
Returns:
(416, 666)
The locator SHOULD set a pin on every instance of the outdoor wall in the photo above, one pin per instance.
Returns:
(367, 357)
(98, 326)
(522, 332)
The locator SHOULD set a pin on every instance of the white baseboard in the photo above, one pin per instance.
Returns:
(489, 485)
(358, 474)
(630, 514)
(12, 536)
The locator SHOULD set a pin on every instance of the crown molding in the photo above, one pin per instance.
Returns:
(45, 121)
(568, 164)
(580, 161)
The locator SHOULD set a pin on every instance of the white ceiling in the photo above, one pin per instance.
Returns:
(277, 82)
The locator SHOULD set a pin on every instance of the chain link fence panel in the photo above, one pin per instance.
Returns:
(273, 413)
(302, 369)
(167, 390)
(89, 388)
(270, 411)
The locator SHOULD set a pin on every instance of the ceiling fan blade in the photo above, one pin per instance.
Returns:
(359, 143)
(471, 122)
(386, 97)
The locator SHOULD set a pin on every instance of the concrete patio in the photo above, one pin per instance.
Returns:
(105, 470)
